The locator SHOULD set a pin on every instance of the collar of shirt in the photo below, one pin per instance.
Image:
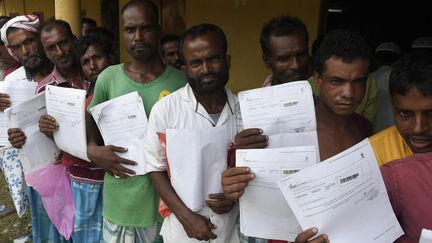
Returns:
(57, 79)
(268, 81)
(188, 95)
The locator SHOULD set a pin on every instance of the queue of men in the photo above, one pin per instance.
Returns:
(114, 205)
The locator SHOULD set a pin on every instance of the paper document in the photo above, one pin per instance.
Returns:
(196, 160)
(426, 236)
(67, 106)
(344, 197)
(18, 92)
(38, 150)
(285, 112)
(264, 212)
(122, 122)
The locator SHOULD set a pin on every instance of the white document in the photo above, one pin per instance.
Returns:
(285, 112)
(67, 106)
(426, 236)
(18, 92)
(344, 197)
(38, 150)
(196, 160)
(264, 212)
(122, 122)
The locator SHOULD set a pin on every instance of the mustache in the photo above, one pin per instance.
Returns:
(141, 45)
(209, 74)
(420, 137)
(25, 59)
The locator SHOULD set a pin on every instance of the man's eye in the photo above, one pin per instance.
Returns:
(404, 114)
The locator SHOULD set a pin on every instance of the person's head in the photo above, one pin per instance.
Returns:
(95, 55)
(22, 37)
(387, 53)
(203, 49)
(341, 71)
(141, 30)
(87, 26)
(57, 40)
(169, 50)
(6, 60)
(284, 43)
(410, 86)
(422, 45)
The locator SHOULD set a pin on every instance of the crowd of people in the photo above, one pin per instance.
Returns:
(182, 82)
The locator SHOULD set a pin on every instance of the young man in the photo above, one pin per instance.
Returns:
(342, 68)
(202, 103)
(130, 203)
(169, 50)
(409, 180)
(57, 40)
(87, 26)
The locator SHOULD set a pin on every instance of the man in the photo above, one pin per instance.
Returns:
(7, 63)
(169, 50)
(87, 26)
(95, 56)
(21, 37)
(86, 179)
(135, 219)
(385, 55)
(202, 103)
(408, 180)
(341, 70)
(284, 44)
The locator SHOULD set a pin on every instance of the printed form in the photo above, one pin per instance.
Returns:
(67, 106)
(264, 212)
(122, 122)
(344, 197)
(18, 92)
(286, 113)
(196, 160)
(38, 150)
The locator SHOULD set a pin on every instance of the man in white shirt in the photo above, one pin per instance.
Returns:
(203, 103)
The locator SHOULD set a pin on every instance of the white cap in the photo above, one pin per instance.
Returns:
(422, 42)
(389, 46)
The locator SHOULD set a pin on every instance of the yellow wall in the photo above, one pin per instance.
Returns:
(90, 7)
(242, 21)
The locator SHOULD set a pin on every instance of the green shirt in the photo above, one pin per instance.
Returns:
(133, 202)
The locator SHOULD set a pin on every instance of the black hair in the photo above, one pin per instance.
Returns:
(165, 39)
(343, 44)
(88, 21)
(51, 22)
(411, 71)
(201, 29)
(147, 3)
(281, 26)
(82, 44)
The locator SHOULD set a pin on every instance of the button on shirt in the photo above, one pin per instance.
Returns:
(181, 110)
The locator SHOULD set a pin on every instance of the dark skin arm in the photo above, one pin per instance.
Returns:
(195, 225)
(4, 101)
(104, 155)
(305, 237)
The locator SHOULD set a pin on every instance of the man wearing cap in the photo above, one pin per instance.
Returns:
(385, 55)
(21, 38)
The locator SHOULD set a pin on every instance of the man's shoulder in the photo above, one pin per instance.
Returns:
(174, 76)
(111, 72)
(387, 134)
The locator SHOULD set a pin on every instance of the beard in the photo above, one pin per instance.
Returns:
(220, 79)
(33, 63)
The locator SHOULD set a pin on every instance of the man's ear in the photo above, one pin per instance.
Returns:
(183, 68)
(266, 61)
(318, 79)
